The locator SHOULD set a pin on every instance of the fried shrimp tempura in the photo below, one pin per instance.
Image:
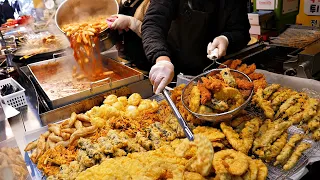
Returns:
(244, 84)
(230, 162)
(242, 142)
(268, 91)
(296, 155)
(256, 76)
(205, 93)
(263, 104)
(194, 102)
(288, 149)
(242, 67)
(235, 64)
(250, 69)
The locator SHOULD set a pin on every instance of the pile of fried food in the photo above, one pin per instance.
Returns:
(219, 92)
(259, 80)
(135, 138)
(281, 103)
(12, 164)
(84, 39)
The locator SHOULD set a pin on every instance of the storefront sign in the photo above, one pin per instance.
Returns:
(312, 7)
(290, 6)
(265, 4)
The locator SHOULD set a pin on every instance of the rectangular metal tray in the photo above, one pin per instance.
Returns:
(54, 80)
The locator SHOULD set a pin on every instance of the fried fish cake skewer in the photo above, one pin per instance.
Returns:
(288, 149)
(268, 91)
(275, 149)
(296, 155)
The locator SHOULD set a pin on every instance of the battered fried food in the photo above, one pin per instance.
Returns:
(288, 149)
(226, 63)
(212, 83)
(205, 93)
(252, 172)
(316, 135)
(218, 105)
(82, 132)
(242, 67)
(262, 130)
(235, 64)
(263, 104)
(309, 110)
(194, 102)
(205, 110)
(259, 83)
(262, 170)
(274, 150)
(250, 69)
(244, 84)
(268, 91)
(212, 134)
(227, 77)
(242, 142)
(255, 76)
(239, 120)
(314, 123)
(296, 155)
(273, 133)
(230, 162)
(283, 96)
(229, 93)
(296, 108)
(289, 102)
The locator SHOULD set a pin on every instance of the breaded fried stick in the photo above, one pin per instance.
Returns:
(288, 149)
(263, 104)
(296, 155)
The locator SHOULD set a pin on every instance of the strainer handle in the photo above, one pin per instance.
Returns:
(176, 112)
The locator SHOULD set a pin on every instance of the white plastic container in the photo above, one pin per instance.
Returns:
(17, 99)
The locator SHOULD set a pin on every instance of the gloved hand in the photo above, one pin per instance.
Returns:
(123, 22)
(161, 74)
(218, 47)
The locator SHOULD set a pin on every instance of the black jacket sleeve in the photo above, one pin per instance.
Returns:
(155, 28)
(237, 26)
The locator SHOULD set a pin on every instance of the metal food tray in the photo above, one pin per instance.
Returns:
(55, 82)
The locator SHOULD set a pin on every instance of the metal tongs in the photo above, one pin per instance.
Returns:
(176, 112)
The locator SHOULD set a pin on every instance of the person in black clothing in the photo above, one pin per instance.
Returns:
(16, 6)
(176, 35)
(7, 10)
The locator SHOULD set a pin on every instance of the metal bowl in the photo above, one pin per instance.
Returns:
(72, 11)
(225, 116)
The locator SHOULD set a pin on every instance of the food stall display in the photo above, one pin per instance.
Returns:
(141, 138)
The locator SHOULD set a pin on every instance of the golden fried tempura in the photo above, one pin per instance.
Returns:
(310, 109)
(274, 150)
(289, 102)
(212, 83)
(263, 104)
(288, 149)
(227, 77)
(194, 102)
(229, 93)
(242, 67)
(242, 142)
(316, 134)
(268, 91)
(212, 134)
(226, 63)
(244, 84)
(262, 170)
(253, 170)
(296, 155)
(314, 123)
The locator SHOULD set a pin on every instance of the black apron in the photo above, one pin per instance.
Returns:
(189, 36)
